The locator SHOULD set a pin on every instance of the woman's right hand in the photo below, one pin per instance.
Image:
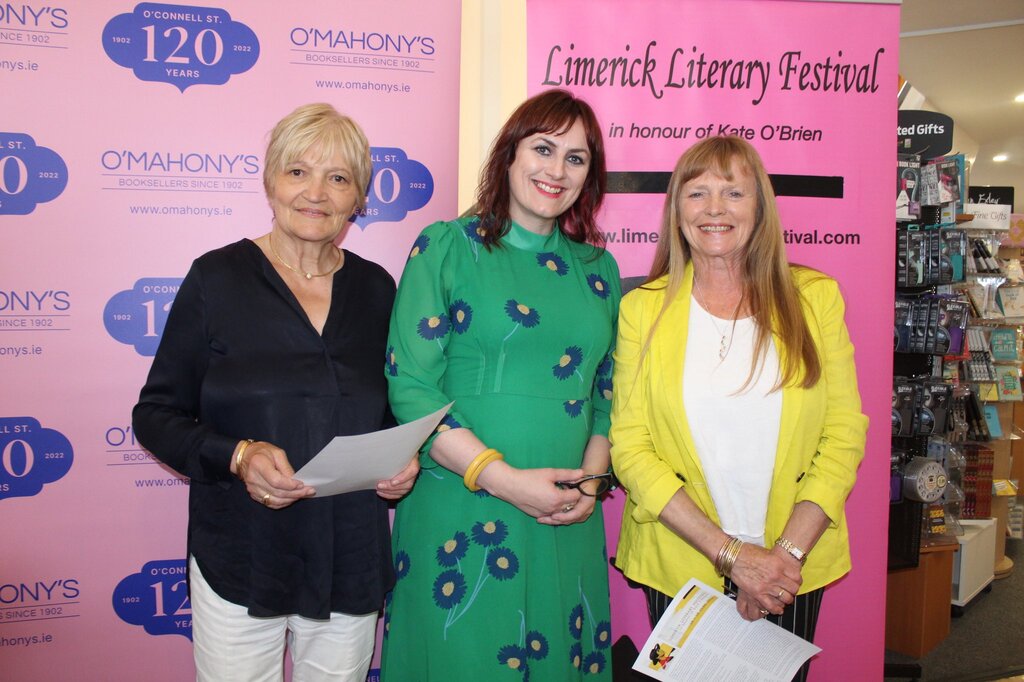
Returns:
(532, 491)
(766, 578)
(268, 476)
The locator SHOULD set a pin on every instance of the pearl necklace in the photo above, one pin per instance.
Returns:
(723, 346)
(307, 275)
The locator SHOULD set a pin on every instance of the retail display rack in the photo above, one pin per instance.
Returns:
(956, 368)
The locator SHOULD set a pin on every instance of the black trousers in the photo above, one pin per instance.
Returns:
(800, 617)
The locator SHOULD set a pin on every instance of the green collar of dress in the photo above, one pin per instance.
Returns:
(521, 238)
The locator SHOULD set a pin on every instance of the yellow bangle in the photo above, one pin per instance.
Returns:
(476, 467)
(239, 462)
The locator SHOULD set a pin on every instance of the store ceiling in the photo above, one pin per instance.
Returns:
(969, 64)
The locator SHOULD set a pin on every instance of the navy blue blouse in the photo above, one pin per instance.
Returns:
(239, 359)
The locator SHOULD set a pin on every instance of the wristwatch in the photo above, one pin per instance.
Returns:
(794, 551)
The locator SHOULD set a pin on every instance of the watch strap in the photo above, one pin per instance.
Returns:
(791, 549)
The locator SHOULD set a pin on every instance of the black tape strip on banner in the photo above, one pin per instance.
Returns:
(656, 182)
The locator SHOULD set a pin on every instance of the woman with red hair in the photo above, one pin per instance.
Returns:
(509, 312)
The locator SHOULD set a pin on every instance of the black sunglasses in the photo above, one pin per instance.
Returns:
(594, 485)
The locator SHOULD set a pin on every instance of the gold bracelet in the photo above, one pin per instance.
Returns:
(239, 462)
(476, 467)
(721, 555)
(727, 556)
(730, 557)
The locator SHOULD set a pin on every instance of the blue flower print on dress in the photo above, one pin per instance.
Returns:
(522, 314)
(603, 635)
(496, 562)
(475, 236)
(401, 564)
(489, 533)
(604, 387)
(387, 615)
(598, 285)
(568, 363)
(434, 327)
(594, 663)
(419, 246)
(576, 655)
(605, 367)
(391, 365)
(461, 314)
(574, 408)
(536, 645)
(447, 424)
(502, 563)
(449, 589)
(474, 231)
(576, 621)
(453, 549)
(513, 656)
(553, 262)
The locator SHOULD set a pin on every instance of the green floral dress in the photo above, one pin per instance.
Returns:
(520, 338)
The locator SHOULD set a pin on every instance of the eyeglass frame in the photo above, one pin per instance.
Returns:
(608, 477)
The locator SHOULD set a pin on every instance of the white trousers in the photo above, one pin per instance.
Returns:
(229, 644)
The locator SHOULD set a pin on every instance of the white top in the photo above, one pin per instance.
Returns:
(736, 434)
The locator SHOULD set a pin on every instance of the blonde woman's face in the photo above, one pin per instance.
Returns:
(313, 198)
(717, 215)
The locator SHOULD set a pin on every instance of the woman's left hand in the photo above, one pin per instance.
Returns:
(579, 513)
(400, 484)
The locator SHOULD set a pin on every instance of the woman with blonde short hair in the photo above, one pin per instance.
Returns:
(273, 347)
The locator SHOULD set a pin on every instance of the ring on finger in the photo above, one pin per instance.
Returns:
(764, 612)
(266, 500)
(568, 508)
(781, 592)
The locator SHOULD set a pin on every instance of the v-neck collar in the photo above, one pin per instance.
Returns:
(276, 281)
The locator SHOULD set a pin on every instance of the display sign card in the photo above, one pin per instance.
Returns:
(988, 216)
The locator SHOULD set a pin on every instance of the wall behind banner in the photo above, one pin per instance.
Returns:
(820, 106)
(131, 141)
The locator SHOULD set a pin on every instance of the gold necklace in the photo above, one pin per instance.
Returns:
(723, 347)
(307, 275)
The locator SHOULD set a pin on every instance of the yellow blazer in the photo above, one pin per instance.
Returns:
(821, 438)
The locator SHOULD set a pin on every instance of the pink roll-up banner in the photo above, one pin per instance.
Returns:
(131, 141)
(812, 85)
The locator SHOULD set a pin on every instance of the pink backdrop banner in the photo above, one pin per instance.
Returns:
(812, 85)
(131, 141)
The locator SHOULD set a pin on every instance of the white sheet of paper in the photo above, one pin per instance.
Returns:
(703, 637)
(350, 463)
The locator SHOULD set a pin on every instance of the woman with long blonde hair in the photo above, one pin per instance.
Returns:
(736, 420)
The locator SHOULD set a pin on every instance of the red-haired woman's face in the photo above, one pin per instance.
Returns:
(546, 177)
